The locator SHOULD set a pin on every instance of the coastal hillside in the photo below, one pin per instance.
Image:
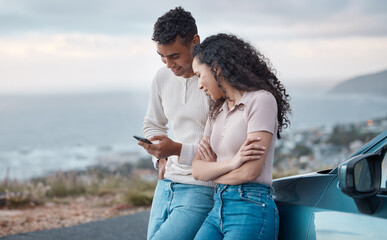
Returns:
(370, 84)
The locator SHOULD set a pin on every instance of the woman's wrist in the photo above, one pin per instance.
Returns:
(230, 164)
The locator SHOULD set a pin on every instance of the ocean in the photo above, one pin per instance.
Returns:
(46, 133)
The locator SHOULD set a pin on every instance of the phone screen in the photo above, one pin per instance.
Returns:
(142, 139)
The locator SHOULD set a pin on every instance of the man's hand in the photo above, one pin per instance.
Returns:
(163, 149)
(249, 151)
(162, 163)
(205, 151)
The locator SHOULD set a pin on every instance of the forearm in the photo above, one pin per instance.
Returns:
(230, 179)
(251, 170)
(187, 153)
(248, 172)
(206, 171)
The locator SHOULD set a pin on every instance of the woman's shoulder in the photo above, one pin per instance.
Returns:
(262, 96)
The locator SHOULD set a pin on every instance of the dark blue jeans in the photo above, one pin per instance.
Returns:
(245, 211)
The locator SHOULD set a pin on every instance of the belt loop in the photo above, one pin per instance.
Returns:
(271, 190)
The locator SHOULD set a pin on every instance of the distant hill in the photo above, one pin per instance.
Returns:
(371, 84)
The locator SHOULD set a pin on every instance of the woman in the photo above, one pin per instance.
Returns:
(248, 105)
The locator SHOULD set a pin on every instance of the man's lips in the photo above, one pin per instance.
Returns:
(175, 69)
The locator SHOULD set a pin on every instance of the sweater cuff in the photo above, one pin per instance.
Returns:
(154, 160)
(187, 153)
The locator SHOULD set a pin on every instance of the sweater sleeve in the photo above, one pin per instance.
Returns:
(188, 151)
(155, 121)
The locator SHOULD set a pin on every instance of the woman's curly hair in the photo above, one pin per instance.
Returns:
(244, 68)
(175, 23)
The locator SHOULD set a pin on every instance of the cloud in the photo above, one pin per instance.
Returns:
(299, 17)
(76, 62)
(99, 44)
(74, 45)
(326, 60)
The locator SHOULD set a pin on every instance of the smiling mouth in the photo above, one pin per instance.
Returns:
(175, 69)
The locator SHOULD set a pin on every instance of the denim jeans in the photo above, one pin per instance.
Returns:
(178, 210)
(245, 211)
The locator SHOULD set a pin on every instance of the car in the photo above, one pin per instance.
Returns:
(347, 202)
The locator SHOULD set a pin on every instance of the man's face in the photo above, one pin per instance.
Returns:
(177, 57)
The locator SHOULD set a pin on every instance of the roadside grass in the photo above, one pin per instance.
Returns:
(124, 183)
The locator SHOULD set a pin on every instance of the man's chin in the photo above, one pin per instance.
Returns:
(177, 73)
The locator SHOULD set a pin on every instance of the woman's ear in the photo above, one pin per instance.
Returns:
(217, 70)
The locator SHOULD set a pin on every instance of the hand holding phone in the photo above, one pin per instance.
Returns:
(142, 139)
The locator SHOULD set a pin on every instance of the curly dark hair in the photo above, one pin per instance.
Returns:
(176, 22)
(244, 68)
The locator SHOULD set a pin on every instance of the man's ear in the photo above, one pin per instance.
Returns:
(196, 39)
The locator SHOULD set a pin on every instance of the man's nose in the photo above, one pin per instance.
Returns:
(170, 63)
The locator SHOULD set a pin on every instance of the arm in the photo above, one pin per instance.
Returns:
(155, 121)
(163, 149)
(208, 170)
(188, 151)
(261, 116)
(250, 170)
(155, 126)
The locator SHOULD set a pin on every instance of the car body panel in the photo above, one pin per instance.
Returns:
(296, 205)
(312, 206)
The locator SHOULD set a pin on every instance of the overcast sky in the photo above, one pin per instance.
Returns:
(98, 45)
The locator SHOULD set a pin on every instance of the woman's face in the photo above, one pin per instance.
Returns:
(207, 81)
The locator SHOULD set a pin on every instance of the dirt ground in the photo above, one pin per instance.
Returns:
(61, 213)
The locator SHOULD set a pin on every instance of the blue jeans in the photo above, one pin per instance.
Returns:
(245, 211)
(178, 210)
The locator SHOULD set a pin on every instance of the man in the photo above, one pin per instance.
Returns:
(180, 202)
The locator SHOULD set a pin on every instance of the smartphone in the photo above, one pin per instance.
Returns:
(142, 139)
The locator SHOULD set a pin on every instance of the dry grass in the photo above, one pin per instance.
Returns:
(94, 182)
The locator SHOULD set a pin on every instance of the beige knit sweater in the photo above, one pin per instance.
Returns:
(177, 102)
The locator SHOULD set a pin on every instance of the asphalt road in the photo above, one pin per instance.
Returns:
(132, 227)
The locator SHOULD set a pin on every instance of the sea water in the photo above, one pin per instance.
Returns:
(44, 133)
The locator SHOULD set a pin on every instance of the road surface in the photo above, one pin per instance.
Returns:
(131, 227)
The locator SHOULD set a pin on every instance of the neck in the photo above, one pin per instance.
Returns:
(234, 96)
(188, 74)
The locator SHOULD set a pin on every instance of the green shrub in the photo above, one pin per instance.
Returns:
(138, 199)
(140, 193)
